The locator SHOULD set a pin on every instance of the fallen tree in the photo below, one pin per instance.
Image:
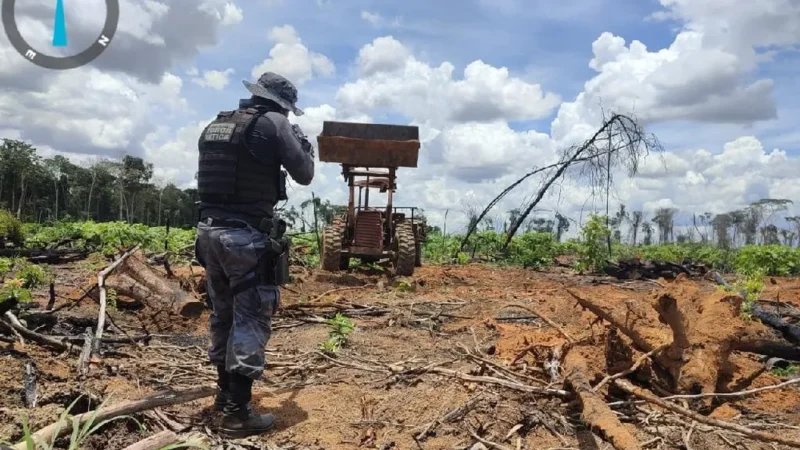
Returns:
(697, 329)
(594, 410)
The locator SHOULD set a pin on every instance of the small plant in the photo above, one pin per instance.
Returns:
(32, 276)
(341, 327)
(112, 298)
(406, 286)
(785, 372)
(750, 285)
(592, 252)
(14, 288)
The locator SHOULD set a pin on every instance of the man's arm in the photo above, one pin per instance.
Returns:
(297, 160)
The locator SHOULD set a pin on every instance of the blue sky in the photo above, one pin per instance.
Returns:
(704, 84)
(533, 45)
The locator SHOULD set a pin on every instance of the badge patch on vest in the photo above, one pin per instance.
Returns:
(220, 132)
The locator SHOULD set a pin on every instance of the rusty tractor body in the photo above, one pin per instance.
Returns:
(370, 155)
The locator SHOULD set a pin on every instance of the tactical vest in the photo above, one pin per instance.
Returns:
(228, 173)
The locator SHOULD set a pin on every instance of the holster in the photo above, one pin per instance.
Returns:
(275, 263)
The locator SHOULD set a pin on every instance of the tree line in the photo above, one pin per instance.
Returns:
(755, 224)
(37, 189)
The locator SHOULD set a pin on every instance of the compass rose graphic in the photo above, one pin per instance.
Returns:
(60, 37)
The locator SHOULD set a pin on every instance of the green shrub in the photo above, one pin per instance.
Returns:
(593, 250)
(10, 230)
(768, 259)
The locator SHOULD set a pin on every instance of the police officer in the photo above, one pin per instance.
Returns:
(239, 181)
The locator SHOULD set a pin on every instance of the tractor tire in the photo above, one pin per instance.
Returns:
(417, 253)
(405, 250)
(331, 258)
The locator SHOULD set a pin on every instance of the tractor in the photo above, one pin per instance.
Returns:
(370, 155)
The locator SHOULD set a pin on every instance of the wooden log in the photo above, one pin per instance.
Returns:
(169, 291)
(57, 429)
(766, 347)
(594, 410)
(155, 442)
(29, 384)
(124, 285)
(790, 332)
(669, 313)
(86, 353)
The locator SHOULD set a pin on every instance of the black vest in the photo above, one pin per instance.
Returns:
(228, 173)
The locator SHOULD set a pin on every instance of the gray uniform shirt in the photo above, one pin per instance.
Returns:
(289, 154)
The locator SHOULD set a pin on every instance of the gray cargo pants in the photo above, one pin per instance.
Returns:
(240, 324)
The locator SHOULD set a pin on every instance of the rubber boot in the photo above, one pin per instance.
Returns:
(240, 420)
(224, 394)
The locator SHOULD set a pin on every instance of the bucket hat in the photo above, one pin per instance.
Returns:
(272, 86)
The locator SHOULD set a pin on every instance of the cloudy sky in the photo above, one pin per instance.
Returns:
(497, 87)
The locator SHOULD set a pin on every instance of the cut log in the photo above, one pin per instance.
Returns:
(790, 332)
(57, 429)
(155, 442)
(169, 292)
(124, 285)
(766, 347)
(86, 353)
(29, 384)
(594, 410)
(635, 269)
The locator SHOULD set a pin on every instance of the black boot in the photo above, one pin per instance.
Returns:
(240, 419)
(224, 383)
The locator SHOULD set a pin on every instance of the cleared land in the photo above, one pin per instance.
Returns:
(454, 357)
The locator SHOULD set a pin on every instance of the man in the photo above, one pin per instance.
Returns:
(239, 181)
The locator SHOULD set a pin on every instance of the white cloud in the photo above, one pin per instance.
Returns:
(378, 21)
(374, 19)
(214, 79)
(175, 159)
(392, 78)
(290, 58)
(708, 74)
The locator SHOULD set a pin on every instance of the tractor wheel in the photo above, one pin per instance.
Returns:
(418, 253)
(405, 250)
(331, 257)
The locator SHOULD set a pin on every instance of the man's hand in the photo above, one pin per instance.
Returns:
(307, 147)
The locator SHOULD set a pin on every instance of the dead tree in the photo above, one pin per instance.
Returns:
(620, 141)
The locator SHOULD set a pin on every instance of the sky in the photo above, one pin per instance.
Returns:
(496, 87)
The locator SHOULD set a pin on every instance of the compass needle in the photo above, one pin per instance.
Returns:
(60, 26)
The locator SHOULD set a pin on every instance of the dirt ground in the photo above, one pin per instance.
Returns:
(423, 347)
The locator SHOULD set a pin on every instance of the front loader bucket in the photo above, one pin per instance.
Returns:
(369, 145)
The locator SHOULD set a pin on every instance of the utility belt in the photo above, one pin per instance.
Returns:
(273, 267)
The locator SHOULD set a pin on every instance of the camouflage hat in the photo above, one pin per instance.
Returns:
(272, 86)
